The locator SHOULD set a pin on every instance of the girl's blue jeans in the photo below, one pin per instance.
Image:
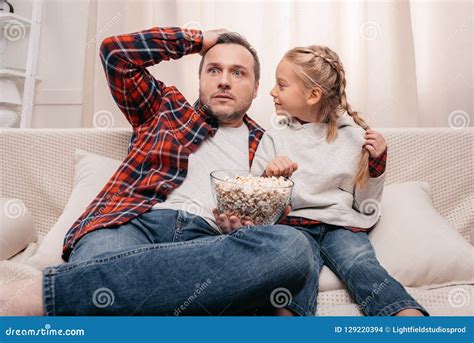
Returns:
(351, 257)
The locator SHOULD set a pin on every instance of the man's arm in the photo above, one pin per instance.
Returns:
(125, 59)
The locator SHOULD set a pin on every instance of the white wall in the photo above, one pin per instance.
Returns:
(58, 95)
(58, 101)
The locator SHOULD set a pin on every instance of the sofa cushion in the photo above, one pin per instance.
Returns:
(91, 173)
(414, 243)
(418, 246)
(17, 228)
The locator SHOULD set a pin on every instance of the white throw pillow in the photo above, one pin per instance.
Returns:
(17, 228)
(91, 174)
(414, 243)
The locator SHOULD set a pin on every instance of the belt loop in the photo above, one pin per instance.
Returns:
(179, 219)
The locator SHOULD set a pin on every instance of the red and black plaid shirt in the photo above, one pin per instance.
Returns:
(376, 168)
(166, 128)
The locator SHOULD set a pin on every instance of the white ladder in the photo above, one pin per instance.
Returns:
(29, 74)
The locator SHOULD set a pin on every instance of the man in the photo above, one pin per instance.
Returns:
(149, 241)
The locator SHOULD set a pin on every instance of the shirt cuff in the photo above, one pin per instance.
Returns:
(377, 164)
(195, 37)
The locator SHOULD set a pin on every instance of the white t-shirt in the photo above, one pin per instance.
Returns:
(228, 149)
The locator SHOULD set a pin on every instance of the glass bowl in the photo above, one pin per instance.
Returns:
(249, 196)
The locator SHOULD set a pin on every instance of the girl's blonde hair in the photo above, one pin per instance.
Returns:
(319, 66)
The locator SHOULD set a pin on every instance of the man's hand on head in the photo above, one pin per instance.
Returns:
(210, 39)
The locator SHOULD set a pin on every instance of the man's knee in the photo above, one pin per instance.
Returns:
(290, 253)
(297, 247)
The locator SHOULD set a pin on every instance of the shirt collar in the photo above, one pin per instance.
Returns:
(344, 120)
(210, 121)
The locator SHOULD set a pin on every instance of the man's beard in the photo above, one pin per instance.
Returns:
(223, 117)
(226, 117)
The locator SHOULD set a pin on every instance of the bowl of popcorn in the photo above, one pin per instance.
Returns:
(249, 196)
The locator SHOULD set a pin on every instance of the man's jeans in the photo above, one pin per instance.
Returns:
(168, 262)
(351, 256)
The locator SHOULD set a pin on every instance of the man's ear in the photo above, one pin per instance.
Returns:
(314, 96)
(255, 90)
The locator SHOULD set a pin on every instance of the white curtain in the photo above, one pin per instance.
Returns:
(408, 63)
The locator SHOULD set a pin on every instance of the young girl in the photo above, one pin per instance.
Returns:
(338, 166)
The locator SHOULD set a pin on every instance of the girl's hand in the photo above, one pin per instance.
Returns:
(374, 143)
(281, 166)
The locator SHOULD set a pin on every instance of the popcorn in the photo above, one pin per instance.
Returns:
(261, 200)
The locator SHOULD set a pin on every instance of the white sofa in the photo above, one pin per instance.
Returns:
(37, 166)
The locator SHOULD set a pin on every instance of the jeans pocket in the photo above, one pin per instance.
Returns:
(190, 226)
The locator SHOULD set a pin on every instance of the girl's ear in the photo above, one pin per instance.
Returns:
(314, 96)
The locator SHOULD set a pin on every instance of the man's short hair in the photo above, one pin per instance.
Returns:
(236, 38)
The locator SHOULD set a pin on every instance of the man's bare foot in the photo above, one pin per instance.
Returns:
(409, 312)
(22, 298)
